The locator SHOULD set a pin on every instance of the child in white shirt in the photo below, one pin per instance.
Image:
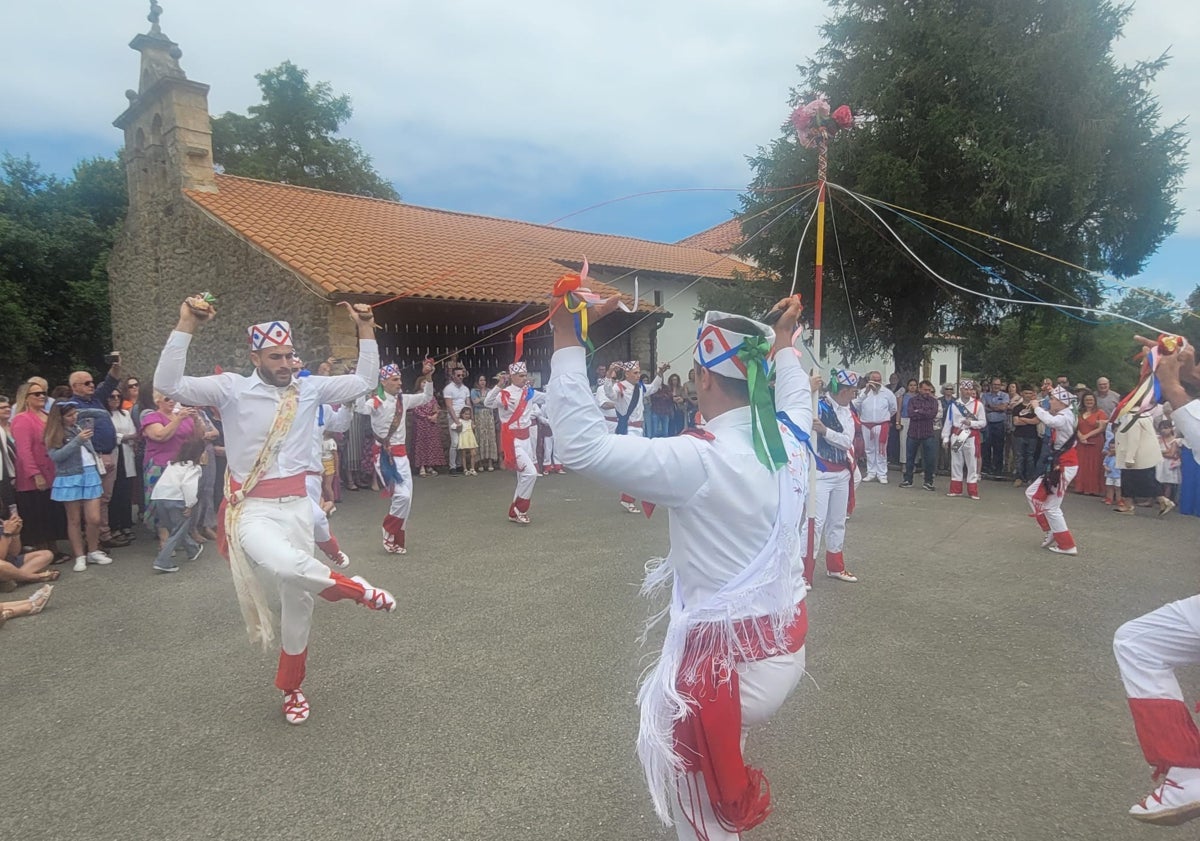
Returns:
(173, 498)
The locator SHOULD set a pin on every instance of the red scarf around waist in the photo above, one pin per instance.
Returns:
(508, 434)
(278, 488)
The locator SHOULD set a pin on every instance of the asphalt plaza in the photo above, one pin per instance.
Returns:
(965, 688)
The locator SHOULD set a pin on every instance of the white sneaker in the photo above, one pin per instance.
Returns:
(341, 560)
(1175, 801)
(883, 480)
(97, 557)
(1074, 550)
(1047, 539)
(843, 576)
(80, 563)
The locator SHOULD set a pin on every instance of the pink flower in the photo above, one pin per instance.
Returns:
(843, 117)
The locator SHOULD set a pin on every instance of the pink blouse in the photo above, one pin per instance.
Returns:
(29, 433)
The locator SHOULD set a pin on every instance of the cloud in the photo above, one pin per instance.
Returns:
(515, 100)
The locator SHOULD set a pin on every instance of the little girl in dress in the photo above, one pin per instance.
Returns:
(467, 445)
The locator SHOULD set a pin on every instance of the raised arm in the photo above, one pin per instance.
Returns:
(366, 373)
(169, 377)
(1063, 421)
(420, 398)
(665, 471)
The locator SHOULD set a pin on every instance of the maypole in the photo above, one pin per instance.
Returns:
(815, 125)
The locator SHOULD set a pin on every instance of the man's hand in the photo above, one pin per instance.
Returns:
(363, 318)
(562, 321)
(664, 367)
(192, 313)
(504, 379)
(785, 327)
(818, 427)
(427, 367)
(816, 383)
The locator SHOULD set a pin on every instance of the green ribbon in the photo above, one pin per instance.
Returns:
(768, 443)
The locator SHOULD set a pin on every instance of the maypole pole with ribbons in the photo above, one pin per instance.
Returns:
(815, 125)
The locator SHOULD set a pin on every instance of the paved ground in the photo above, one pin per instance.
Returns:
(967, 688)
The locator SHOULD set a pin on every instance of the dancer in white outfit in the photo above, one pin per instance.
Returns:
(961, 433)
(1150, 648)
(833, 501)
(266, 522)
(875, 406)
(628, 396)
(513, 399)
(388, 409)
(734, 647)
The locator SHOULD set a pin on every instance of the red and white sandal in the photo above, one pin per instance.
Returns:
(295, 707)
(520, 517)
(374, 597)
(341, 560)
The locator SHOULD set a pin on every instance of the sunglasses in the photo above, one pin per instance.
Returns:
(36, 394)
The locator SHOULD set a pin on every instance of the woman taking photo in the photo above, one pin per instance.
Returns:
(120, 509)
(164, 430)
(77, 483)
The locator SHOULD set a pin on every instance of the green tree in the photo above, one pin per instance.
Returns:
(1007, 116)
(55, 237)
(290, 138)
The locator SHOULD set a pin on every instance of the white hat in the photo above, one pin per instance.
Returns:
(717, 347)
(1061, 394)
(518, 368)
(270, 334)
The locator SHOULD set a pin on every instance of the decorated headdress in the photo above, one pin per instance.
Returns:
(518, 368)
(1061, 394)
(270, 334)
(966, 384)
(629, 366)
(842, 379)
(743, 356)
(388, 371)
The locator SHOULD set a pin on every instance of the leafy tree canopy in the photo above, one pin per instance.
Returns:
(55, 237)
(1008, 116)
(289, 138)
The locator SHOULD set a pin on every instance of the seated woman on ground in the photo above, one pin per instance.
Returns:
(31, 606)
(23, 568)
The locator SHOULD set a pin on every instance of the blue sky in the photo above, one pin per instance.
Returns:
(469, 107)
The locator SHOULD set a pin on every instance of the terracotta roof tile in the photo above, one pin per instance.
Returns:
(720, 239)
(351, 244)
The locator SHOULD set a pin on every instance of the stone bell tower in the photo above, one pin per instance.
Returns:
(168, 138)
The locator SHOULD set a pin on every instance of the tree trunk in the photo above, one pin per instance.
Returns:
(910, 354)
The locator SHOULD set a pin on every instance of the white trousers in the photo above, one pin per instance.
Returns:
(321, 532)
(904, 440)
(1051, 509)
(452, 457)
(402, 492)
(830, 502)
(277, 537)
(875, 443)
(524, 449)
(964, 464)
(764, 686)
(549, 458)
(1149, 649)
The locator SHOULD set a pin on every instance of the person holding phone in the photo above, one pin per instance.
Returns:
(70, 431)
(87, 394)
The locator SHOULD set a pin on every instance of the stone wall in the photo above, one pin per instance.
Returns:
(170, 250)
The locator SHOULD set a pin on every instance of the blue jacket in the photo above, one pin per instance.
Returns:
(68, 461)
(105, 438)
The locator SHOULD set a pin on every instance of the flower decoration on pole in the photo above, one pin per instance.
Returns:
(815, 123)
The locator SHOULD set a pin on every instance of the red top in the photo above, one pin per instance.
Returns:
(29, 434)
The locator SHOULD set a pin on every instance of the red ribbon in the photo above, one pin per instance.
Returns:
(566, 283)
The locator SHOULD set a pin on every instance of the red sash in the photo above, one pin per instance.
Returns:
(265, 489)
(508, 435)
(710, 738)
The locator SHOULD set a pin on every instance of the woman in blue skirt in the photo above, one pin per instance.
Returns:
(77, 482)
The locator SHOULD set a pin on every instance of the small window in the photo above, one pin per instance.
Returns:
(941, 373)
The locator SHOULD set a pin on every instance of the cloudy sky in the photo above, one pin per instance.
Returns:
(528, 110)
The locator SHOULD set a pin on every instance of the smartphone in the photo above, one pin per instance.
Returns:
(87, 423)
(12, 511)
(113, 358)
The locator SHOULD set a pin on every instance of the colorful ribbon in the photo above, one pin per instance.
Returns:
(768, 443)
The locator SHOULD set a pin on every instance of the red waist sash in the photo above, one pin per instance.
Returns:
(395, 450)
(709, 739)
(277, 488)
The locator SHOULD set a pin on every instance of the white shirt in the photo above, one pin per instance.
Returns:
(123, 424)
(1187, 424)
(248, 405)
(875, 406)
(621, 395)
(382, 409)
(179, 481)
(505, 401)
(723, 502)
(458, 395)
(956, 420)
(843, 440)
